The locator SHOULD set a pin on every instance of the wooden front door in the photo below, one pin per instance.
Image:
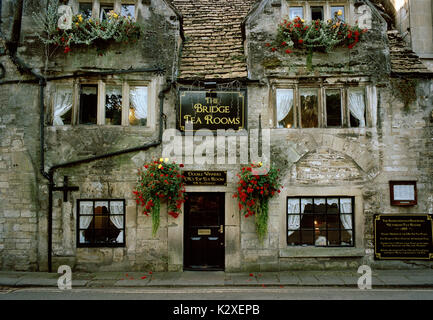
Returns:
(204, 231)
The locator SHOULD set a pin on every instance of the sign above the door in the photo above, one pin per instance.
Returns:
(212, 110)
(205, 178)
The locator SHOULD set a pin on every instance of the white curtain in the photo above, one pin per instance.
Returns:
(346, 219)
(116, 207)
(294, 220)
(62, 104)
(138, 101)
(86, 217)
(357, 105)
(284, 103)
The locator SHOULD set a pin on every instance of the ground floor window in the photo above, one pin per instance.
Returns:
(320, 221)
(101, 223)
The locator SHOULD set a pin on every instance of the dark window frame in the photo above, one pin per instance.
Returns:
(100, 245)
(340, 229)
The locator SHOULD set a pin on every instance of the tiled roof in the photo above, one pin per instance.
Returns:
(403, 60)
(213, 47)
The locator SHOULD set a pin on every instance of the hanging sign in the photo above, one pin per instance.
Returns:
(205, 178)
(398, 237)
(212, 110)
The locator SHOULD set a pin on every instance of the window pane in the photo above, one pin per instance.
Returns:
(62, 107)
(309, 108)
(319, 205)
(138, 106)
(332, 206)
(333, 108)
(128, 10)
(285, 108)
(294, 238)
(320, 239)
(337, 12)
(316, 13)
(85, 9)
(88, 104)
(334, 237)
(104, 10)
(113, 105)
(296, 12)
(307, 221)
(346, 238)
(307, 205)
(307, 237)
(357, 107)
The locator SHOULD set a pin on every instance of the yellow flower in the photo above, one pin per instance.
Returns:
(76, 23)
(90, 20)
(161, 160)
(166, 160)
(80, 18)
(302, 20)
(340, 13)
(260, 164)
(160, 166)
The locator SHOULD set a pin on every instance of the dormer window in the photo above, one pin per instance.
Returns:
(99, 9)
(317, 10)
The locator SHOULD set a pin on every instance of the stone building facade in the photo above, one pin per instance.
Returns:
(207, 46)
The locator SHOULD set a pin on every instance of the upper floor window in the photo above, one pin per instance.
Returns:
(101, 103)
(309, 107)
(101, 223)
(320, 10)
(99, 9)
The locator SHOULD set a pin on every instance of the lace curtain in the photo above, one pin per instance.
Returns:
(346, 219)
(62, 104)
(294, 218)
(357, 105)
(284, 103)
(138, 101)
(86, 217)
(116, 207)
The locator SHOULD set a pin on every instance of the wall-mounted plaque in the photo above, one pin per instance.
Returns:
(212, 110)
(403, 193)
(403, 237)
(205, 178)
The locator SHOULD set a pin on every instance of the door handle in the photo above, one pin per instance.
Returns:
(221, 230)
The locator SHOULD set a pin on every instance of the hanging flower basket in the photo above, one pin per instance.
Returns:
(257, 184)
(160, 181)
(315, 36)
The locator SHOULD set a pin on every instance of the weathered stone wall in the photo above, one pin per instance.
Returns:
(24, 192)
(19, 152)
(370, 56)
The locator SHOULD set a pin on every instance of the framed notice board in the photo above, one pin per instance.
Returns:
(403, 237)
(403, 193)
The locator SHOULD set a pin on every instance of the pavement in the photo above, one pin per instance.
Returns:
(415, 278)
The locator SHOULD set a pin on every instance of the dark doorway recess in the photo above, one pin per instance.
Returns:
(204, 231)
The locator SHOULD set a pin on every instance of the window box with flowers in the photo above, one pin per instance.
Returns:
(160, 181)
(85, 30)
(316, 35)
(257, 184)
